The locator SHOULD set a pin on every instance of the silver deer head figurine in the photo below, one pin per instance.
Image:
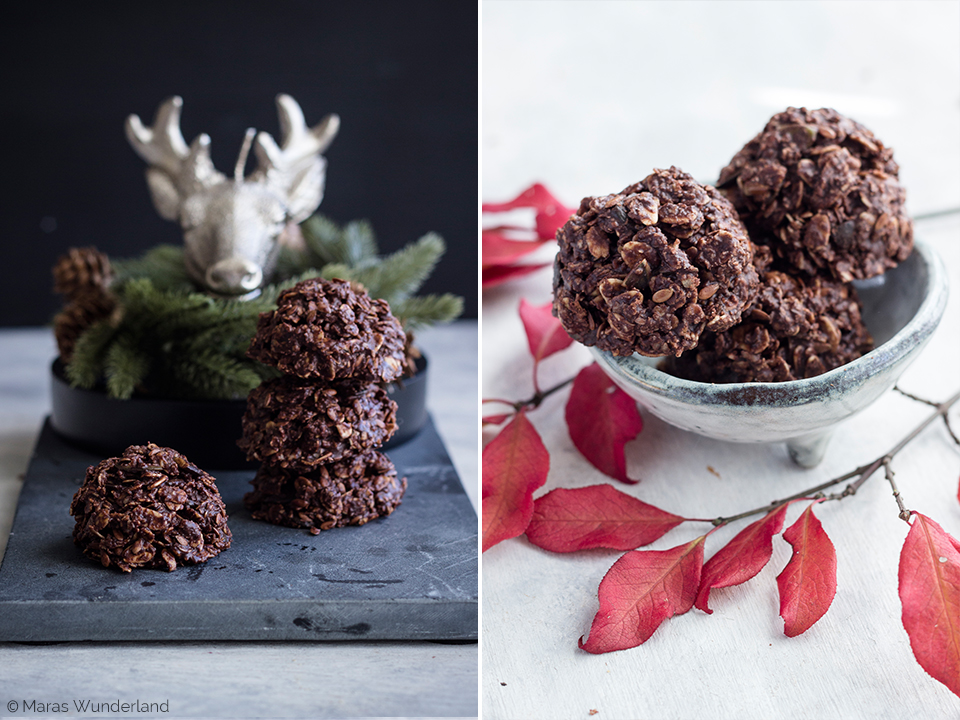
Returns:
(231, 227)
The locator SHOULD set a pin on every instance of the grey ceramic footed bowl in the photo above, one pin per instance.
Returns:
(901, 309)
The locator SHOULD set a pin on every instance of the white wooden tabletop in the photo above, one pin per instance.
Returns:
(588, 97)
(241, 679)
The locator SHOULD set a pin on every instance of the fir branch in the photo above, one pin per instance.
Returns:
(125, 367)
(290, 262)
(416, 313)
(331, 244)
(211, 375)
(359, 243)
(397, 276)
(162, 265)
(85, 368)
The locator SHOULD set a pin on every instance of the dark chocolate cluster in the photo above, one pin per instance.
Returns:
(149, 508)
(315, 430)
(648, 269)
(295, 423)
(756, 289)
(349, 492)
(331, 331)
(798, 328)
(823, 193)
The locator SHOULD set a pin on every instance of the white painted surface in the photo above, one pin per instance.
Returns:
(242, 679)
(588, 98)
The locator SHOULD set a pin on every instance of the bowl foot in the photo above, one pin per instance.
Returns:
(808, 450)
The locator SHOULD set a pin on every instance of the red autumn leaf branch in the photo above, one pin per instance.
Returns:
(930, 597)
(809, 581)
(545, 334)
(504, 245)
(515, 463)
(602, 419)
(741, 558)
(640, 591)
(597, 516)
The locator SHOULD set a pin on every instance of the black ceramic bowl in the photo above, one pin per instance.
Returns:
(206, 431)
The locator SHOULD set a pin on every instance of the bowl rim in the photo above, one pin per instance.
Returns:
(650, 381)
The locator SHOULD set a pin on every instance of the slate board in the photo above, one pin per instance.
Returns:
(409, 576)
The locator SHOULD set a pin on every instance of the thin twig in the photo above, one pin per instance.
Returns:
(888, 473)
(936, 214)
(914, 397)
(946, 421)
(862, 473)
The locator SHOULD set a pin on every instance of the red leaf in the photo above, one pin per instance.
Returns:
(602, 419)
(930, 596)
(640, 591)
(496, 419)
(809, 581)
(551, 214)
(545, 334)
(597, 516)
(501, 273)
(515, 463)
(741, 558)
(497, 249)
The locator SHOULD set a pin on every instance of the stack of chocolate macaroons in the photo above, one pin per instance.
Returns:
(316, 429)
(748, 282)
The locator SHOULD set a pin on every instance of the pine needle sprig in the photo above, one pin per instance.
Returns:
(397, 276)
(125, 367)
(422, 311)
(210, 374)
(329, 243)
(168, 339)
(85, 368)
(162, 265)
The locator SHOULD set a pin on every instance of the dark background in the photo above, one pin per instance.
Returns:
(401, 75)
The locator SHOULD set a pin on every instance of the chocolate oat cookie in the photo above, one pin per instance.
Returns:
(350, 492)
(301, 424)
(798, 328)
(823, 192)
(151, 508)
(326, 329)
(647, 269)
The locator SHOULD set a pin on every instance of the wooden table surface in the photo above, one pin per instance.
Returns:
(241, 679)
(590, 97)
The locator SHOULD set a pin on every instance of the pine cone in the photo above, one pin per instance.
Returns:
(71, 322)
(82, 271)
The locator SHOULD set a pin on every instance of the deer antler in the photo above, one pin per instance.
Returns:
(295, 168)
(175, 170)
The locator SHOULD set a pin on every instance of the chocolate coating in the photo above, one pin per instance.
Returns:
(350, 492)
(823, 192)
(796, 329)
(150, 508)
(646, 270)
(294, 423)
(327, 330)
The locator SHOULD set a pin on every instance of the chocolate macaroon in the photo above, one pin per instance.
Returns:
(301, 424)
(352, 491)
(149, 508)
(648, 269)
(328, 330)
(823, 192)
(798, 328)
